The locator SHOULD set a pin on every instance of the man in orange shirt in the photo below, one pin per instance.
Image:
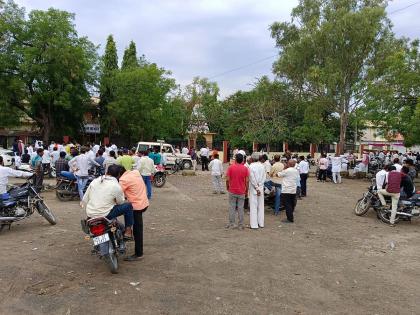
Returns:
(134, 189)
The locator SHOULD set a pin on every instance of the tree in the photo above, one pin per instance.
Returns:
(46, 70)
(392, 102)
(109, 67)
(130, 57)
(327, 50)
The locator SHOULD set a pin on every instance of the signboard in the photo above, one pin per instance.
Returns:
(92, 128)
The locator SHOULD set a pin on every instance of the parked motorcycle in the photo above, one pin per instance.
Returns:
(407, 209)
(67, 188)
(159, 177)
(20, 203)
(108, 239)
(370, 199)
(176, 167)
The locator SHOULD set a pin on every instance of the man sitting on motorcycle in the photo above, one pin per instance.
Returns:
(5, 173)
(105, 198)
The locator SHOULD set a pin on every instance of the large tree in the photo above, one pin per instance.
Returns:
(130, 57)
(327, 50)
(46, 69)
(109, 68)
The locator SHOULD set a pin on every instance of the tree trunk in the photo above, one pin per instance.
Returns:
(343, 128)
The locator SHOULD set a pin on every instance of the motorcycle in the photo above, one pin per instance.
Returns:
(66, 189)
(370, 199)
(20, 202)
(159, 177)
(176, 167)
(108, 239)
(407, 209)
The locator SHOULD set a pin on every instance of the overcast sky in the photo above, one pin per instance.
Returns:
(200, 37)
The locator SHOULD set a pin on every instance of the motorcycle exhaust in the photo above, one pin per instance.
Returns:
(3, 219)
(405, 214)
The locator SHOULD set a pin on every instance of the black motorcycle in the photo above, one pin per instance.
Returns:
(67, 190)
(20, 202)
(108, 239)
(370, 199)
(407, 209)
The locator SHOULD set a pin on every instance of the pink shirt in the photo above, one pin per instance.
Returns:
(134, 189)
(323, 163)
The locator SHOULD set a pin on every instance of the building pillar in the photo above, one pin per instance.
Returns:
(285, 147)
(225, 151)
(312, 150)
(209, 139)
(254, 146)
(192, 140)
(106, 140)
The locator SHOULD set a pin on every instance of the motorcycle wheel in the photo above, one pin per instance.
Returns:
(52, 173)
(63, 197)
(173, 169)
(112, 262)
(385, 215)
(159, 181)
(46, 212)
(362, 206)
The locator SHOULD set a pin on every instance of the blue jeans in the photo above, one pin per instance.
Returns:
(126, 209)
(277, 198)
(81, 184)
(68, 175)
(148, 182)
(268, 184)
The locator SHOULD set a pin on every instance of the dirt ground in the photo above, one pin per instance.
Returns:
(329, 262)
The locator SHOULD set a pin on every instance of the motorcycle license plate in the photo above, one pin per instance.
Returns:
(101, 239)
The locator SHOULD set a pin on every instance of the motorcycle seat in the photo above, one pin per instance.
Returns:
(100, 220)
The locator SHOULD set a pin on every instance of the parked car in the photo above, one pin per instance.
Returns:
(168, 151)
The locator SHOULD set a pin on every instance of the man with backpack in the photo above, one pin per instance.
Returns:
(393, 186)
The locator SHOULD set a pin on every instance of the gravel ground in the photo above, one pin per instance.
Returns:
(329, 262)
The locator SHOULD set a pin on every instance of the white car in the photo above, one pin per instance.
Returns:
(9, 157)
(169, 153)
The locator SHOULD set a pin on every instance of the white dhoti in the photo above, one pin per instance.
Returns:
(256, 210)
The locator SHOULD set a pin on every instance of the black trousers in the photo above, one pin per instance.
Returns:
(138, 232)
(289, 203)
(303, 179)
(204, 163)
(322, 175)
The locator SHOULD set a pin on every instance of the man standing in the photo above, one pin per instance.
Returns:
(55, 154)
(81, 165)
(110, 160)
(303, 171)
(193, 155)
(5, 173)
(184, 150)
(147, 169)
(397, 164)
(135, 191)
(204, 155)
(257, 175)
(323, 166)
(276, 181)
(237, 176)
(336, 168)
(216, 167)
(126, 160)
(37, 167)
(288, 193)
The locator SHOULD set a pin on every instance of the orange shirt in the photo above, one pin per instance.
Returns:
(134, 189)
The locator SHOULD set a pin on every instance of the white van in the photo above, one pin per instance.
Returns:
(168, 151)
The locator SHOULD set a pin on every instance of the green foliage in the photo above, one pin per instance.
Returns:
(130, 57)
(327, 51)
(45, 68)
(392, 102)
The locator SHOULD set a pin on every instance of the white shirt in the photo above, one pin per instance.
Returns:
(30, 150)
(257, 176)
(216, 167)
(55, 155)
(204, 152)
(96, 148)
(82, 163)
(380, 178)
(114, 148)
(290, 176)
(242, 152)
(267, 166)
(146, 166)
(398, 167)
(303, 167)
(102, 195)
(185, 150)
(46, 159)
(5, 173)
(336, 164)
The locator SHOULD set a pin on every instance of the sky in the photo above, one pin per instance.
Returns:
(206, 38)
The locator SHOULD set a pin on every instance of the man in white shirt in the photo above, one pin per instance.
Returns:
(289, 186)
(276, 181)
(216, 167)
(81, 165)
(55, 155)
(146, 167)
(96, 148)
(381, 177)
(185, 150)
(336, 168)
(303, 171)
(105, 198)
(257, 176)
(397, 164)
(5, 173)
(204, 155)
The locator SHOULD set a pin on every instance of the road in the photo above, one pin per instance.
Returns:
(329, 262)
